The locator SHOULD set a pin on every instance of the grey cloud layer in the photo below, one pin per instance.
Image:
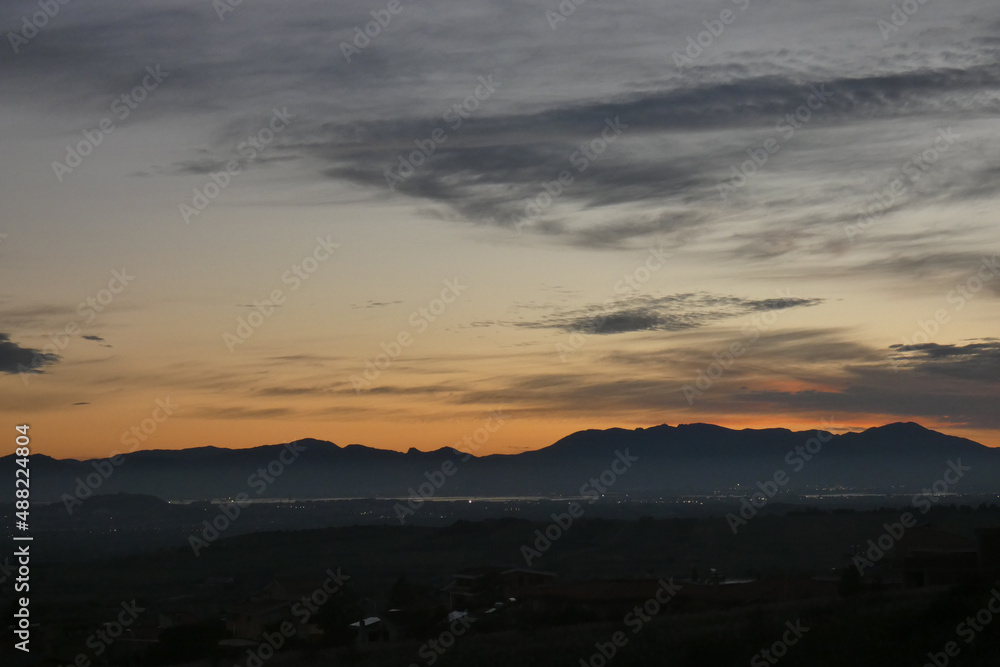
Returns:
(686, 128)
(679, 145)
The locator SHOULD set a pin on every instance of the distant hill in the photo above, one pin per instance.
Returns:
(669, 460)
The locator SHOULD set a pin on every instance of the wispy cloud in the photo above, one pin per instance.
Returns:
(675, 312)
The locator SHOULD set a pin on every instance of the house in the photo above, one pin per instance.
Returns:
(517, 581)
(930, 557)
(371, 630)
(480, 587)
(281, 600)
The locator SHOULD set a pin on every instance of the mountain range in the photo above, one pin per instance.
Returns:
(647, 462)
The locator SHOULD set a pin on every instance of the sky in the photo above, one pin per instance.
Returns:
(387, 223)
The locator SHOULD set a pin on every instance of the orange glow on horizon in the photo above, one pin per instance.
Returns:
(515, 435)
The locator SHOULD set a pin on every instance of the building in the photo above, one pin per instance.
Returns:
(930, 557)
(476, 588)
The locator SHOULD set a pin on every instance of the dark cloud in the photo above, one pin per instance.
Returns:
(207, 166)
(412, 391)
(291, 391)
(309, 359)
(675, 312)
(15, 359)
(973, 361)
(498, 163)
(627, 320)
(377, 304)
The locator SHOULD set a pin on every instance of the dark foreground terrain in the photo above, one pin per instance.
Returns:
(807, 586)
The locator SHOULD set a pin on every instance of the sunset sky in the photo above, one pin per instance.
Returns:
(575, 218)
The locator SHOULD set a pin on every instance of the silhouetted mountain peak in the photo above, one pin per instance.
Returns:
(688, 458)
(316, 443)
(902, 428)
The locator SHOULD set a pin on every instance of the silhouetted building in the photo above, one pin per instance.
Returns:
(931, 557)
(475, 588)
